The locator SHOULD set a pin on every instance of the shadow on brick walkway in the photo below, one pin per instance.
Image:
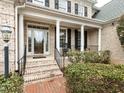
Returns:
(56, 85)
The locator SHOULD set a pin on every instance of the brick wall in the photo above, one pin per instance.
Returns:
(110, 41)
(7, 17)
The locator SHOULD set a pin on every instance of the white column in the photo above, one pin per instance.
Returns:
(21, 36)
(82, 38)
(16, 31)
(99, 39)
(58, 35)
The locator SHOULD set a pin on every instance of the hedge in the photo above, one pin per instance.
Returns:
(90, 56)
(13, 84)
(95, 78)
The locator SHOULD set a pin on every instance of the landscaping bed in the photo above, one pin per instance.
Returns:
(95, 78)
(13, 84)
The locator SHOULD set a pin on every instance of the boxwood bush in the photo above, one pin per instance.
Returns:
(95, 78)
(89, 56)
(13, 84)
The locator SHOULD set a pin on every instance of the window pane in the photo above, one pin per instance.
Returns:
(47, 3)
(76, 8)
(62, 37)
(85, 11)
(69, 6)
(39, 2)
(63, 5)
(29, 0)
(29, 41)
(79, 39)
(56, 4)
(47, 42)
(38, 42)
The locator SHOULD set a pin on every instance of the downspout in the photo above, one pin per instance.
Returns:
(16, 32)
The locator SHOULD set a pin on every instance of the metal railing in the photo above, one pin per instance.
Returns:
(59, 59)
(22, 64)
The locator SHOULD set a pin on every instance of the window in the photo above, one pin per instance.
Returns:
(80, 10)
(76, 8)
(38, 39)
(63, 5)
(56, 4)
(29, 41)
(77, 39)
(63, 37)
(69, 6)
(47, 3)
(29, 0)
(39, 2)
(85, 11)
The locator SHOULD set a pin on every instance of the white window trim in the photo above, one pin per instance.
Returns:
(42, 25)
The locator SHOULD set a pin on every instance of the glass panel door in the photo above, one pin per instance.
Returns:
(38, 40)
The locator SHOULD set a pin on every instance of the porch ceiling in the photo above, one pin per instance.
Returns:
(53, 22)
(50, 22)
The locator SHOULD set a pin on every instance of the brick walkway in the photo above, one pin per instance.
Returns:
(56, 85)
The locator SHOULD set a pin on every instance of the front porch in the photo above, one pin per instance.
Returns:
(43, 32)
(42, 37)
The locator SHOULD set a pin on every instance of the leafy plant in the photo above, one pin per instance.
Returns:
(13, 84)
(75, 56)
(89, 57)
(120, 30)
(95, 78)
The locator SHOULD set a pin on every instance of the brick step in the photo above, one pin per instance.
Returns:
(40, 76)
(42, 59)
(35, 64)
(41, 69)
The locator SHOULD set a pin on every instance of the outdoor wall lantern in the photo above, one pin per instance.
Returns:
(6, 35)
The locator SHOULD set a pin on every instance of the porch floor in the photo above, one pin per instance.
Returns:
(56, 85)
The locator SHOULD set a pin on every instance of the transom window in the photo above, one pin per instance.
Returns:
(38, 40)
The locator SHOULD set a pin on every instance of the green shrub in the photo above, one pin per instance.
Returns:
(95, 78)
(13, 84)
(75, 56)
(89, 57)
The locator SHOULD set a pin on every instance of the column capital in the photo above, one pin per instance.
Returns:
(58, 20)
(83, 25)
(100, 28)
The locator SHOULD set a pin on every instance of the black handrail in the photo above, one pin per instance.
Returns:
(59, 59)
(22, 64)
